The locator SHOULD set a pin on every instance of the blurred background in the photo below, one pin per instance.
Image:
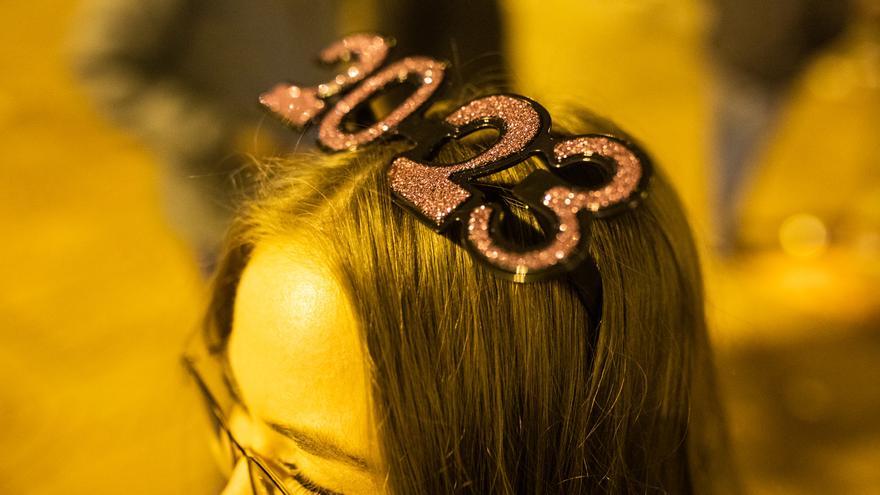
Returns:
(125, 126)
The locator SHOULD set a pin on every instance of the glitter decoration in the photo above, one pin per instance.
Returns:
(626, 178)
(295, 105)
(429, 188)
(566, 203)
(438, 193)
(565, 240)
(299, 105)
(370, 49)
(430, 73)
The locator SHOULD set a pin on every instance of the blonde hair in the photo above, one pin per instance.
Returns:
(481, 385)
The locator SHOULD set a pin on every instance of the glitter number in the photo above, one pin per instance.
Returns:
(566, 202)
(430, 188)
(299, 105)
(627, 174)
(429, 74)
(439, 193)
(566, 238)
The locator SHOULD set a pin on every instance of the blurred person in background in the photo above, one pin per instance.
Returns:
(825, 150)
(760, 49)
(182, 75)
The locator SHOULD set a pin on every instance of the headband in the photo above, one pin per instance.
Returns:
(444, 196)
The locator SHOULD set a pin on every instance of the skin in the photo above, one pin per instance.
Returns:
(297, 361)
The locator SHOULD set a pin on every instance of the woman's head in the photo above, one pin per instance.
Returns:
(383, 357)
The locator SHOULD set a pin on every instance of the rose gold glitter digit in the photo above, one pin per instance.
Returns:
(566, 203)
(626, 177)
(298, 105)
(295, 105)
(429, 188)
(430, 73)
(565, 239)
(370, 49)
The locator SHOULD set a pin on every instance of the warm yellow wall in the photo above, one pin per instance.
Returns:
(97, 295)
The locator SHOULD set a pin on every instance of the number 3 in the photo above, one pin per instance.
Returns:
(440, 194)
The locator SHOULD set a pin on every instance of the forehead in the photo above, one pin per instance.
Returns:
(295, 349)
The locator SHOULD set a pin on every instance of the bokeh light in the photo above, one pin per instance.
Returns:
(803, 236)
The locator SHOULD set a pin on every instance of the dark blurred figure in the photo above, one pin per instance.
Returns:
(760, 47)
(185, 75)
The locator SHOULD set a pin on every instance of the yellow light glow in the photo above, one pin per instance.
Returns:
(803, 236)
